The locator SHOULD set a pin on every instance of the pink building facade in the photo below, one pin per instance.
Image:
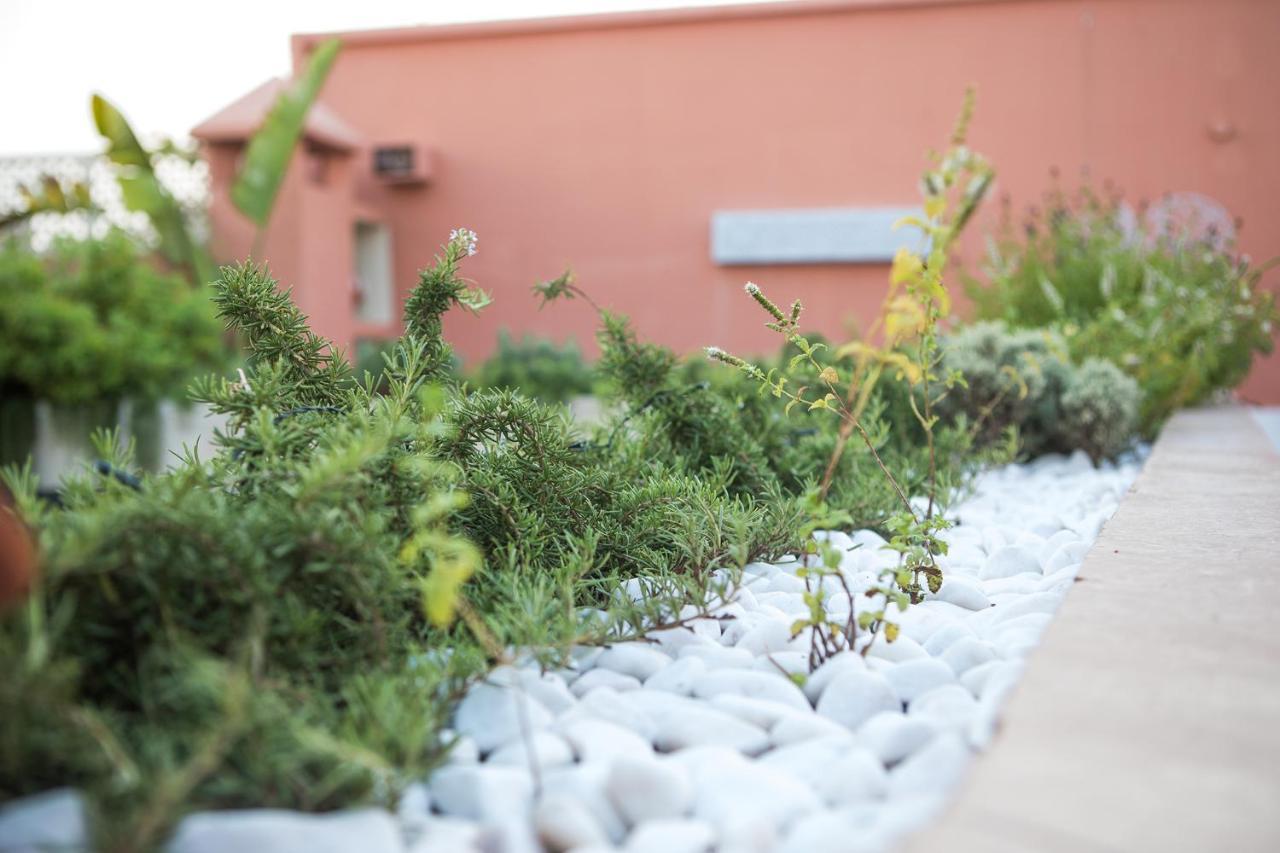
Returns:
(668, 157)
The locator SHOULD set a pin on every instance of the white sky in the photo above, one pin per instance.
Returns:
(168, 64)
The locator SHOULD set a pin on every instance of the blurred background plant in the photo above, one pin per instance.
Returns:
(536, 367)
(1165, 299)
(88, 328)
(97, 330)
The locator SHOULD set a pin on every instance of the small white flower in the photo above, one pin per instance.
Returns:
(465, 236)
(244, 380)
(750, 287)
(714, 352)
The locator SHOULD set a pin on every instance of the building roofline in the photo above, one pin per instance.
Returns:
(304, 42)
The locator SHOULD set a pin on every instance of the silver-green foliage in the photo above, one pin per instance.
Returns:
(1024, 378)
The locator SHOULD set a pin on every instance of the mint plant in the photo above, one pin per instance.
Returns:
(902, 344)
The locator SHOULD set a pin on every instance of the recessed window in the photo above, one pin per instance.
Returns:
(374, 285)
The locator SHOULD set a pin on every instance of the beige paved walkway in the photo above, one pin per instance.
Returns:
(1150, 717)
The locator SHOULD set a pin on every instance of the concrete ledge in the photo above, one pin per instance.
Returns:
(1149, 719)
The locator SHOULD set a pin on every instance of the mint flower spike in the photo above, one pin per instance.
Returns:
(753, 290)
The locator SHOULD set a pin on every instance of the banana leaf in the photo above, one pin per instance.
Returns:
(267, 156)
(143, 192)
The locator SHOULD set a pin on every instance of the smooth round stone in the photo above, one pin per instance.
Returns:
(584, 657)
(945, 609)
(586, 784)
(736, 628)
(279, 830)
(921, 623)
(1038, 602)
(648, 789)
(549, 689)
(749, 793)
(935, 768)
(1008, 561)
(1054, 542)
(853, 697)
(720, 657)
(984, 725)
(1001, 683)
(963, 558)
(482, 792)
(1029, 621)
(845, 661)
(601, 740)
(974, 678)
(783, 582)
(462, 750)
(799, 759)
(854, 776)
(492, 715)
(774, 687)
(798, 728)
(689, 724)
(759, 712)
(595, 678)
(449, 835)
(911, 678)
(790, 603)
(413, 810)
(946, 636)
(1023, 584)
(604, 703)
(966, 653)
(902, 649)
(891, 736)
(829, 831)
(997, 536)
(951, 706)
(638, 660)
(52, 820)
(790, 663)
(1068, 554)
(672, 640)
(761, 569)
(962, 593)
(773, 635)
(867, 540)
(684, 835)
(1060, 581)
(548, 750)
(564, 823)
(680, 677)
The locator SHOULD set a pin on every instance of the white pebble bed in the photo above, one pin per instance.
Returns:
(699, 741)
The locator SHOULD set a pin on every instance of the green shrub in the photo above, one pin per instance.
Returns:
(535, 367)
(94, 319)
(274, 626)
(1024, 379)
(1182, 315)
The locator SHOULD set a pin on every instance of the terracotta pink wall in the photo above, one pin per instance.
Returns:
(606, 144)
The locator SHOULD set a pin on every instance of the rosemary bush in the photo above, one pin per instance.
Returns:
(275, 626)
